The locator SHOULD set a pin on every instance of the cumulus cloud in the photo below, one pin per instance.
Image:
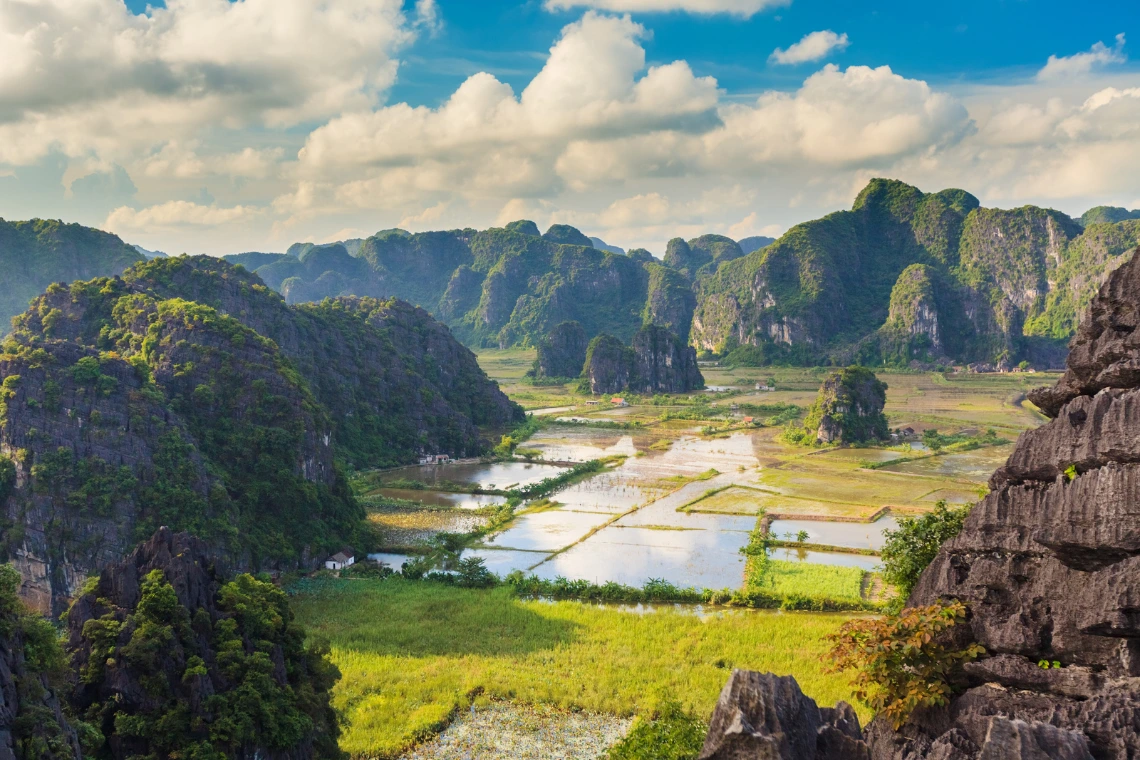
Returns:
(486, 140)
(174, 216)
(743, 8)
(812, 47)
(89, 76)
(1082, 63)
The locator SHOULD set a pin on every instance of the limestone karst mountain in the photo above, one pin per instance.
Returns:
(187, 393)
(992, 285)
(36, 253)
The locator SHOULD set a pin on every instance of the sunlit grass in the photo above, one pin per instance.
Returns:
(804, 579)
(413, 653)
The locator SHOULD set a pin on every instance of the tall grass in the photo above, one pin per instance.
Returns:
(413, 654)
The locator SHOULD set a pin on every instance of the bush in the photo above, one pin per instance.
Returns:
(671, 734)
(472, 573)
(910, 548)
(902, 662)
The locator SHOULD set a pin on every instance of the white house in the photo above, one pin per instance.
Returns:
(342, 559)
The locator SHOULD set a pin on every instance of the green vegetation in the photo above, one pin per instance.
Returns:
(209, 685)
(848, 409)
(36, 253)
(414, 654)
(911, 547)
(35, 669)
(902, 662)
(669, 733)
(238, 411)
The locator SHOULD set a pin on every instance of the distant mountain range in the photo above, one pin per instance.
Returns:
(903, 276)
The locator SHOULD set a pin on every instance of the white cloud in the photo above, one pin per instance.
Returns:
(174, 216)
(1082, 63)
(485, 140)
(743, 8)
(812, 47)
(88, 76)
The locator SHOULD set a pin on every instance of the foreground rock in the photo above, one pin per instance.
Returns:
(174, 660)
(760, 715)
(1049, 567)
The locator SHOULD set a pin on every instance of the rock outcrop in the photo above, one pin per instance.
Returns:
(609, 365)
(656, 362)
(848, 409)
(1049, 567)
(760, 716)
(663, 363)
(175, 659)
(562, 353)
(32, 720)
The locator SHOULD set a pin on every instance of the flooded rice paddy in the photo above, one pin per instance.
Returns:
(680, 506)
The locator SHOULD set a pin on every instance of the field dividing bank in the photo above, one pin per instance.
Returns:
(414, 654)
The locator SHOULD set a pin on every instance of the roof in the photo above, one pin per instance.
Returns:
(340, 557)
(616, 400)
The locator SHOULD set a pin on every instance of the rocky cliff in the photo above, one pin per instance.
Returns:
(848, 409)
(663, 363)
(657, 361)
(562, 353)
(1008, 283)
(188, 394)
(175, 659)
(1048, 565)
(36, 253)
(32, 679)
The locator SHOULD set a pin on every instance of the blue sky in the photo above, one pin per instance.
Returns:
(214, 127)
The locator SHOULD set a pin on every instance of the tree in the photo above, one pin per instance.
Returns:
(902, 661)
(910, 548)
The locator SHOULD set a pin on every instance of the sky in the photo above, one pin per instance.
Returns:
(217, 126)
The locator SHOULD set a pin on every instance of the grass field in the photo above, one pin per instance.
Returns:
(803, 579)
(413, 654)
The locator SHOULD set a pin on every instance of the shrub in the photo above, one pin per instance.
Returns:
(911, 547)
(670, 734)
(902, 662)
(472, 573)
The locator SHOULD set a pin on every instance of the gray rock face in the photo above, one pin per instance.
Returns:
(1018, 740)
(760, 716)
(1049, 566)
(664, 364)
(656, 362)
(563, 352)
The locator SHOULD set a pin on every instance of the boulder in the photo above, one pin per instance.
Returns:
(761, 716)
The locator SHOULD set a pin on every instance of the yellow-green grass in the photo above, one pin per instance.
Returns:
(785, 578)
(412, 654)
(505, 364)
(741, 500)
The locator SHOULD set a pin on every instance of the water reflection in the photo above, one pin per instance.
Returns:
(547, 531)
(847, 534)
(863, 561)
(632, 556)
(440, 498)
(500, 475)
